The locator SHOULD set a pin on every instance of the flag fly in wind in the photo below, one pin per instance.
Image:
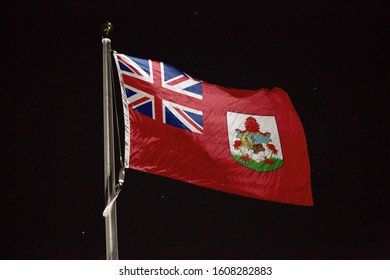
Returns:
(244, 142)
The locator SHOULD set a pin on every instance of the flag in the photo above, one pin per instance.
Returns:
(244, 142)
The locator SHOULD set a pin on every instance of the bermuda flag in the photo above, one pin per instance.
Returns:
(244, 142)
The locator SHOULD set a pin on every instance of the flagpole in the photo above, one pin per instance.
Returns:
(109, 152)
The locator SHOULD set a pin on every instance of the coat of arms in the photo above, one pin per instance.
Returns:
(254, 141)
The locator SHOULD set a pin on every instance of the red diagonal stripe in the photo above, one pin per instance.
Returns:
(129, 65)
(139, 101)
(195, 124)
(177, 81)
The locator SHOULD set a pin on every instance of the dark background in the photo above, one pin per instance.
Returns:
(330, 56)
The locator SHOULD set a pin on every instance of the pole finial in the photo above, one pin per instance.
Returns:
(106, 28)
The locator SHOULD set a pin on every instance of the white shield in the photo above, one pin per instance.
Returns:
(254, 141)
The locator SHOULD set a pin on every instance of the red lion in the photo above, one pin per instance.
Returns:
(251, 125)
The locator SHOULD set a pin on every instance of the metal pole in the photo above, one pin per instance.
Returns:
(109, 153)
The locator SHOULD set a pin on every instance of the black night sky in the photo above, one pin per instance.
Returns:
(330, 56)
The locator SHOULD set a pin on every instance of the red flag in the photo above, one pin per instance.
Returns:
(245, 142)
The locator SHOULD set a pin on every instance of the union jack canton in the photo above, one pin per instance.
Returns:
(161, 92)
